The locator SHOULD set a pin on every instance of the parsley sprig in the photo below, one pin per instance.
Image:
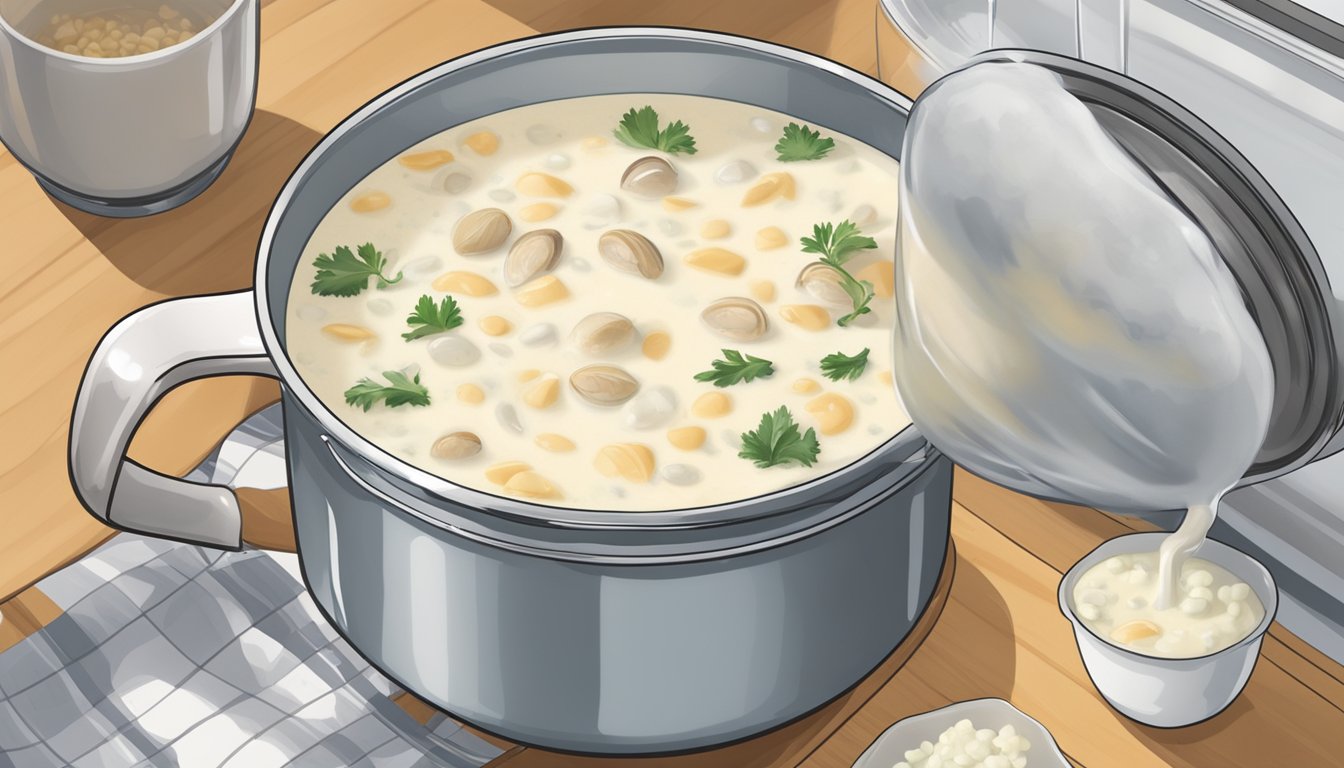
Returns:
(735, 368)
(777, 441)
(639, 128)
(428, 319)
(839, 366)
(402, 390)
(801, 143)
(342, 273)
(837, 243)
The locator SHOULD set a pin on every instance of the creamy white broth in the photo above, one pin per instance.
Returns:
(572, 140)
(1211, 610)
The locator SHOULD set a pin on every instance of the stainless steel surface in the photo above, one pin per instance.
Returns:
(1318, 22)
(1295, 527)
(596, 632)
(600, 657)
(174, 655)
(127, 136)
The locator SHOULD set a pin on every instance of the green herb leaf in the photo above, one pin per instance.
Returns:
(343, 274)
(839, 366)
(777, 441)
(860, 293)
(432, 319)
(735, 368)
(801, 143)
(639, 128)
(837, 243)
(403, 390)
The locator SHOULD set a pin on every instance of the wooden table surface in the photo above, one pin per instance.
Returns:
(71, 275)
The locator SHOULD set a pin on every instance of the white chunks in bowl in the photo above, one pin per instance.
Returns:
(965, 745)
(1213, 609)
(613, 303)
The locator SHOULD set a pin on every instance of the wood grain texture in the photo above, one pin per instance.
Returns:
(24, 614)
(1077, 530)
(1010, 640)
(999, 633)
(842, 30)
(267, 520)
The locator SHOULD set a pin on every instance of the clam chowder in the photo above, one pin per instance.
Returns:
(627, 302)
(1212, 609)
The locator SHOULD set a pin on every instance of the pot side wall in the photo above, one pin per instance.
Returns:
(615, 658)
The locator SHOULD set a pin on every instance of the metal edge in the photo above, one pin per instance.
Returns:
(1300, 22)
(571, 553)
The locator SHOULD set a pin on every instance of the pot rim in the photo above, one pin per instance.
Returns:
(899, 447)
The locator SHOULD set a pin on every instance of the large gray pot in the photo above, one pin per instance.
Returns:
(586, 631)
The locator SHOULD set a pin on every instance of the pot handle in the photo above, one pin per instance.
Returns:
(143, 356)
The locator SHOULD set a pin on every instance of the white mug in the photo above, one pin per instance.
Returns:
(127, 136)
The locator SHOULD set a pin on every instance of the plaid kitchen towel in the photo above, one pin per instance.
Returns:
(167, 654)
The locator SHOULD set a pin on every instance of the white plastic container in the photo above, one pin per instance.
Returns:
(1170, 693)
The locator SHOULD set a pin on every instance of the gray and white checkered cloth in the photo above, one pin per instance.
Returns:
(168, 654)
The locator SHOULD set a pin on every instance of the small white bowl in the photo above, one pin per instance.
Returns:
(1170, 693)
(889, 748)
